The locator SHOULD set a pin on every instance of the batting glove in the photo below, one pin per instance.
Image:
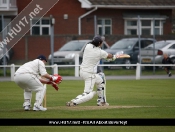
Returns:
(113, 58)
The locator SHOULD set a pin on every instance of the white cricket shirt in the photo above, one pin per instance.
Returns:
(91, 58)
(35, 67)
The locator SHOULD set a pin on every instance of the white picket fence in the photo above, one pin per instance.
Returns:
(77, 66)
(56, 67)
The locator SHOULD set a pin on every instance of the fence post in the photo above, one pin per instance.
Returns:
(12, 68)
(76, 65)
(138, 72)
(55, 69)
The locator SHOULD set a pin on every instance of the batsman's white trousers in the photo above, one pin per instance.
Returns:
(90, 80)
(29, 83)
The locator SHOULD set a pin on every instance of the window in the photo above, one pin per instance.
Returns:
(144, 43)
(158, 27)
(172, 46)
(6, 27)
(131, 27)
(13, 2)
(104, 26)
(147, 27)
(40, 27)
(4, 1)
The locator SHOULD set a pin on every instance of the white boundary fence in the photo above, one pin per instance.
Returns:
(55, 68)
(77, 66)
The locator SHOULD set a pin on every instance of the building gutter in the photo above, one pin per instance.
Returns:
(82, 16)
(135, 6)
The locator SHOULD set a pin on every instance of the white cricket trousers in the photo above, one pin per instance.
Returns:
(90, 80)
(29, 83)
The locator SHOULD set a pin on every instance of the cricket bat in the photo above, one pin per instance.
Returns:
(123, 56)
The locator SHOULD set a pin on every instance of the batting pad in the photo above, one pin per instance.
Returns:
(101, 88)
(84, 97)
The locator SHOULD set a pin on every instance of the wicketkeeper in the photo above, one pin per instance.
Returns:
(30, 77)
(88, 71)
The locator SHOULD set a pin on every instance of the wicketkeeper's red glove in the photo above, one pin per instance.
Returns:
(50, 82)
(53, 78)
(55, 86)
(56, 78)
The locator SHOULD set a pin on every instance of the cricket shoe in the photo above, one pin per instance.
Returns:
(27, 107)
(39, 108)
(102, 104)
(70, 104)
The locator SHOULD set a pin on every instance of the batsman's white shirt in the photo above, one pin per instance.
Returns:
(88, 69)
(91, 58)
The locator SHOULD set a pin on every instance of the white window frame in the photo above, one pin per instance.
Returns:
(40, 25)
(130, 27)
(103, 26)
(3, 3)
(160, 27)
(161, 20)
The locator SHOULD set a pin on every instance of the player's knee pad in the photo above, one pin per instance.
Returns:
(101, 94)
(84, 97)
(101, 85)
(101, 89)
(102, 75)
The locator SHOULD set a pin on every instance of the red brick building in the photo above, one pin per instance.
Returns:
(81, 19)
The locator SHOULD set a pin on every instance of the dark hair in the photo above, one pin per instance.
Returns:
(97, 40)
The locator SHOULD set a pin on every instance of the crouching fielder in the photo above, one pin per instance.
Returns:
(88, 71)
(30, 78)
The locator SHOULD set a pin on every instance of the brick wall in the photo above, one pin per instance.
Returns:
(73, 9)
(67, 29)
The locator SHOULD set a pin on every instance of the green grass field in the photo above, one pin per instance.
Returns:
(127, 99)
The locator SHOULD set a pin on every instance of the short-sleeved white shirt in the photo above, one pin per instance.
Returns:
(36, 67)
(91, 58)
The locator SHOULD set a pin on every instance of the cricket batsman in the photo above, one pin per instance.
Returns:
(30, 77)
(88, 71)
